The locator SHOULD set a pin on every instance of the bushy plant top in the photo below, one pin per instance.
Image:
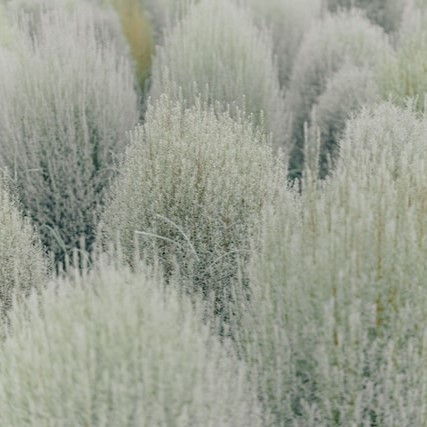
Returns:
(216, 50)
(341, 39)
(65, 109)
(288, 21)
(114, 348)
(338, 285)
(193, 182)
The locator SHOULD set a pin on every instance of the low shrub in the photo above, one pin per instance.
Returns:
(217, 50)
(60, 146)
(288, 22)
(116, 348)
(338, 285)
(346, 92)
(343, 39)
(192, 183)
(403, 76)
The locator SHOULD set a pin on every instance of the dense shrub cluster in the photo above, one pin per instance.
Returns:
(338, 286)
(336, 44)
(193, 182)
(65, 108)
(116, 349)
(403, 76)
(217, 50)
(233, 294)
(288, 21)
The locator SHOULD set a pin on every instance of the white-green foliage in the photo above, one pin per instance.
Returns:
(386, 13)
(339, 40)
(346, 91)
(404, 75)
(338, 286)
(288, 21)
(193, 182)
(217, 48)
(64, 111)
(118, 349)
(22, 263)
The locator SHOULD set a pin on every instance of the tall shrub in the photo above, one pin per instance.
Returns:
(192, 183)
(346, 92)
(65, 111)
(338, 40)
(338, 285)
(288, 21)
(403, 76)
(117, 349)
(217, 49)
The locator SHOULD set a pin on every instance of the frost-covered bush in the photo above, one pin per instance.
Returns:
(386, 13)
(346, 91)
(193, 182)
(64, 112)
(135, 26)
(117, 349)
(338, 40)
(288, 21)
(338, 285)
(217, 49)
(22, 263)
(404, 76)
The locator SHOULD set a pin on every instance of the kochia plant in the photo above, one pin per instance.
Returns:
(118, 349)
(404, 76)
(344, 39)
(22, 263)
(338, 286)
(217, 50)
(65, 110)
(193, 182)
(346, 92)
(288, 21)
